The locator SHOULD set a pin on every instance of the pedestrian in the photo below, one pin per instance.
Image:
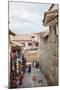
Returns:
(29, 70)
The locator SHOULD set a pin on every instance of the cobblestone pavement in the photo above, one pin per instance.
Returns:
(39, 79)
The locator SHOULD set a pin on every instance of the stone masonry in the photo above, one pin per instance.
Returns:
(48, 53)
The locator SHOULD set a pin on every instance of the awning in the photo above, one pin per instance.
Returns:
(12, 33)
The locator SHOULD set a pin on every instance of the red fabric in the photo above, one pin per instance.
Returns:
(13, 55)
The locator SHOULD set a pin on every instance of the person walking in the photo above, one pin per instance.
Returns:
(29, 70)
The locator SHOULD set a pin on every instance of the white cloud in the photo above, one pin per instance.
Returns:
(24, 16)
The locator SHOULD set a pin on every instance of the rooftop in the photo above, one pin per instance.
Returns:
(50, 15)
(24, 37)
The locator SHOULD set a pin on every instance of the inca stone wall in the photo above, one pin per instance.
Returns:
(48, 57)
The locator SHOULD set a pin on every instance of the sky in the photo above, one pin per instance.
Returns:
(25, 17)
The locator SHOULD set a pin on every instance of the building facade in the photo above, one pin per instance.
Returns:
(48, 48)
(29, 44)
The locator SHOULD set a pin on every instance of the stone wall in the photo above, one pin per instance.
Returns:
(48, 56)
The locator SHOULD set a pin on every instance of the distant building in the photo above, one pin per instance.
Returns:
(29, 44)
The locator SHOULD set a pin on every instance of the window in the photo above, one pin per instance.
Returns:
(35, 49)
(23, 44)
(37, 44)
(32, 36)
(29, 44)
(55, 29)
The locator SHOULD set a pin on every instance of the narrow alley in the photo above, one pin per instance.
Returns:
(38, 81)
(33, 47)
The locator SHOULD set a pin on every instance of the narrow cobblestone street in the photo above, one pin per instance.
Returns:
(33, 44)
(29, 82)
